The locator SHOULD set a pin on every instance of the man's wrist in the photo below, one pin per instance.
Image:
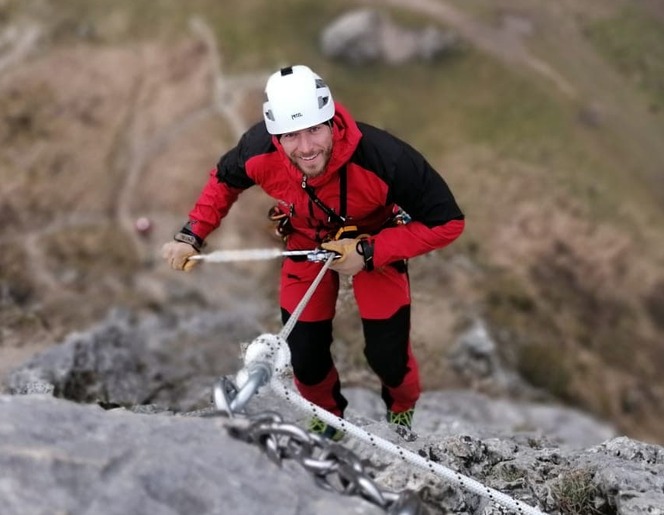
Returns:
(193, 240)
(365, 248)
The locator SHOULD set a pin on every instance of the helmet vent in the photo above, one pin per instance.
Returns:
(322, 101)
(320, 84)
(287, 71)
(269, 115)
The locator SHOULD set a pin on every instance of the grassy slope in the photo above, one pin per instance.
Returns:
(516, 115)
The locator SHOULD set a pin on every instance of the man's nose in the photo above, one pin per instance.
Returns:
(306, 142)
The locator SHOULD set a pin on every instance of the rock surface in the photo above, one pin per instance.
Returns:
(75, 458)
(60, 457)
(124, 362)
(367, 35)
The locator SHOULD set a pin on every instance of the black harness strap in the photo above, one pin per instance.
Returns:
(331, 215)
(343, 189)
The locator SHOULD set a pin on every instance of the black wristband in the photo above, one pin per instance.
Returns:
(191, 239)
(365, 249)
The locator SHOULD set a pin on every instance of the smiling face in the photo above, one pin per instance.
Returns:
(309, 149)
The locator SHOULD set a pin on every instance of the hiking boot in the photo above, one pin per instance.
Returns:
(319, 427)
(403, 419)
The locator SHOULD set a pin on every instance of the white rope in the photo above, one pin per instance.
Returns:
(227, 256)
(273, 350)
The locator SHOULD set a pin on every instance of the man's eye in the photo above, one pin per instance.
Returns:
(315, 128)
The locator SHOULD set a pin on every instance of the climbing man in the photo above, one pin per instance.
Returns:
(346, 187)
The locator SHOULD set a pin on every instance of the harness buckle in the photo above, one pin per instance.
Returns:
(347, 231)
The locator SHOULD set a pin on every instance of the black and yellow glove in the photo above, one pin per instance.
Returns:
(352, 256)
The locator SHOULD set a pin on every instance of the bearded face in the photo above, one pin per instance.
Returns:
(309, 149)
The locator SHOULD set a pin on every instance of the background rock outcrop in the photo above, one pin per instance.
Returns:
(371, 36)
(170, 359)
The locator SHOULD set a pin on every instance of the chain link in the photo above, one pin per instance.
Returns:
(333, 467)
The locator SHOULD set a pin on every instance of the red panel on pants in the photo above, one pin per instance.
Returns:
(379, 293)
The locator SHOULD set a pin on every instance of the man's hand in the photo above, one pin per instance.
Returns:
(350, 261)
(177, 254)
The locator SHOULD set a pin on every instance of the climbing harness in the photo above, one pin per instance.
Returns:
(337, 218)
(266, 361)
(341, 220)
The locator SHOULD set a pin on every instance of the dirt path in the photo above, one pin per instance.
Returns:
(134, 151)
(225, 101)
(135, 146)
(229, 89)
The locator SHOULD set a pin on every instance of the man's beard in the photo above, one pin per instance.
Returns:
(327, 154)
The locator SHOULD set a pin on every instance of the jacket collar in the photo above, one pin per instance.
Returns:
(346, 136)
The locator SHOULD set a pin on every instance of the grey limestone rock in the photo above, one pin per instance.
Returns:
(367, 35)
(475, 356)
(81, 460)
(60, 457)
(106, 365)
(171, 359)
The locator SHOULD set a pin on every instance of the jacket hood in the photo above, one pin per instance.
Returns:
(346, 136)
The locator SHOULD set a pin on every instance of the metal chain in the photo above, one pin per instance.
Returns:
(333, 467)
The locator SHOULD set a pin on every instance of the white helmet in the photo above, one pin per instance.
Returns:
(297, 98)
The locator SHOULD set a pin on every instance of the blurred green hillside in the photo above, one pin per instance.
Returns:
(547, 123)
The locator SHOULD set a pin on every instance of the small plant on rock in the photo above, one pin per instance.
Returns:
(576, 493)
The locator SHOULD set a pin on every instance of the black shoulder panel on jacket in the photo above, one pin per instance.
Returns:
(412, 182)
(231, 167)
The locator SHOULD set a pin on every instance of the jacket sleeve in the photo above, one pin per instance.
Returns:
(413, 239)
(437, 220)
(224, 186)
(212, 206)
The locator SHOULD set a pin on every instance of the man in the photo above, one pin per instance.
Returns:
(344, 186)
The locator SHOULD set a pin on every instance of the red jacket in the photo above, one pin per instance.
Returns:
(381, 171)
